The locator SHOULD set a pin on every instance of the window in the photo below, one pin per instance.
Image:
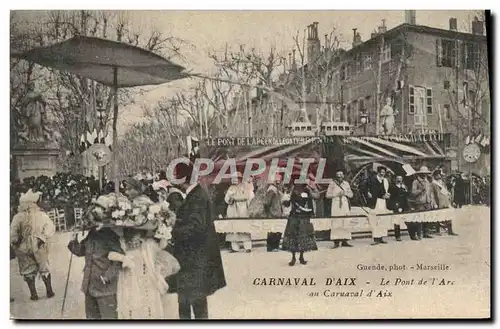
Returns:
(411, 107)
(345, 72)
(429, 100)
(447, 111)
(386, 53)
(446, 52)
(367, 62)
(471, 56)
(419, 104)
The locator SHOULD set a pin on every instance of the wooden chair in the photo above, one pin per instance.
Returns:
(78, 216)
(60, 223)
(53, 215)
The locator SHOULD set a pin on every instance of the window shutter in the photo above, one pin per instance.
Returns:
(439, 52)
(411, 100)
(457, 52)
(428, 98)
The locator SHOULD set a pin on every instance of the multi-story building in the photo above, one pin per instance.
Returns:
(436, 80)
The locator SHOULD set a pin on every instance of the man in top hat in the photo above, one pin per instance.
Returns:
(100, 274)
(421, 199)
(442, 197)
(31, 230)
(377, 195)
(339, 191)
(196, 247)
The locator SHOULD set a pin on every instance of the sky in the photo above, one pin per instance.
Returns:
(212, 30)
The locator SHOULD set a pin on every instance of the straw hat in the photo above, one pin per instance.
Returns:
(422, 170)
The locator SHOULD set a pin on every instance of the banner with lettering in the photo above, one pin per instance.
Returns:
(258, 228)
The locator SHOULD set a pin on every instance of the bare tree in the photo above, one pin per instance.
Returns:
(71, 96)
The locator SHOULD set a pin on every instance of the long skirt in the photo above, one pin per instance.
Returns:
(299, 234)
(137, 296)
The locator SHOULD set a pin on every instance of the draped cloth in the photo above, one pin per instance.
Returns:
(142, 290)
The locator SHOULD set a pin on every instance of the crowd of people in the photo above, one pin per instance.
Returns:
(129, 271)
(190, 264)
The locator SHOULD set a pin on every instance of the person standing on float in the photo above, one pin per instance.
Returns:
(339, 191)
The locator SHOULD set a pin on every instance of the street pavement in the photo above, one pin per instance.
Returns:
(465, 294)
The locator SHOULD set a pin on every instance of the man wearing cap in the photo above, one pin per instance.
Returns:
(196, 247)
(339, 191)
(31, 230)
(100, 274)
(421, 199)
(442, 197)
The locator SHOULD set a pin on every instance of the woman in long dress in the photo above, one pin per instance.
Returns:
(299, 232)
(142, 289)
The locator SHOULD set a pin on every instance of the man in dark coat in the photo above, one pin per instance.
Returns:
(398, 202)
(377, 194)
(100, 275)
(196, 247)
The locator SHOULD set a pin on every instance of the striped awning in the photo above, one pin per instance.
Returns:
(404, 150)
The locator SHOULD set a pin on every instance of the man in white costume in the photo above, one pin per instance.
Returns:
(340, 192)
(238, 198)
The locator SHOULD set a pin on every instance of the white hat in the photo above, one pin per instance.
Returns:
(423, 170)
(30, 197)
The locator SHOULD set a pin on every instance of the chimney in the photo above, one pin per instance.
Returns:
(356, 39)
(410, 17)
(453, 24)
(382, 28)
(313, 43)
(477, 27)
(374, 34)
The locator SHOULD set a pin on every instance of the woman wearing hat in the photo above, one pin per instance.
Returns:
(238, 198)
(299, 232)
(31, 230)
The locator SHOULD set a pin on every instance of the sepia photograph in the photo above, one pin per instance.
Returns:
(250, 164)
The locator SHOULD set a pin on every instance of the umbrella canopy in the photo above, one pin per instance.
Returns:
(96, 59)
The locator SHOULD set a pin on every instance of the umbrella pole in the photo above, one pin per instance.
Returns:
(115, 130)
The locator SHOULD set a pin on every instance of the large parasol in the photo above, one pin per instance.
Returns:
(114, 64)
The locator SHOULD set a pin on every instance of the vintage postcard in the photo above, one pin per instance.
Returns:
(250, 165)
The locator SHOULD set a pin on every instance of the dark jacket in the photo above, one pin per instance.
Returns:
(196, 247)
(95, 248)
(376, 189)
(175, 199)
(398, 199)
